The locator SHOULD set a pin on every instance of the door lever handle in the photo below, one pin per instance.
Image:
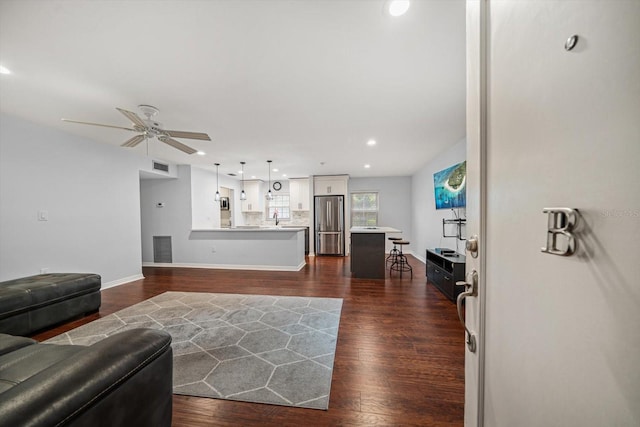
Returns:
(471, 290)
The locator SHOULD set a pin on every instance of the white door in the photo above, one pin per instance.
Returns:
(561, 333)
(475, 211)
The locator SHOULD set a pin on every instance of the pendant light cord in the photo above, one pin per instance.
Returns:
(243, 195)
(269, 195)
(217, 197)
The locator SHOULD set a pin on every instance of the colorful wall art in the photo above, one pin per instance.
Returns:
(450, 188)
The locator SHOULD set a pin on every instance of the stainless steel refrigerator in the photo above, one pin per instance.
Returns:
(329, 213)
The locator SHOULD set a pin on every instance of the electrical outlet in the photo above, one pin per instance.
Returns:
(213, 250)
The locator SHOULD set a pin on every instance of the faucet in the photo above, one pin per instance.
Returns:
(275, 215)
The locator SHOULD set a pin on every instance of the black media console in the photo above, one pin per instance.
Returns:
(444, 270)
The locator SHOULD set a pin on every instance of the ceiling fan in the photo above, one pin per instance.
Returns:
(149, 128)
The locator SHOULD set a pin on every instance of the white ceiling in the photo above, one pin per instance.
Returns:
(302, 83)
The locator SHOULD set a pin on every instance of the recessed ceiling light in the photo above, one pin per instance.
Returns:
(201, 153)
(284, 175)
(275, 170)
(241, 172)
(253, 177)
(398, 7)
(367, 166)
(4, 70)
(371, 142)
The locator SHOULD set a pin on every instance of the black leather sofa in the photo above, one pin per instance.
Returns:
(32, 303)
(123, 380)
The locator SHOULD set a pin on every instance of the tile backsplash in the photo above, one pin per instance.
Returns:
(257, 218)
(300, 218)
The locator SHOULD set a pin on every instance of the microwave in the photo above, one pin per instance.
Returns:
(224, 203)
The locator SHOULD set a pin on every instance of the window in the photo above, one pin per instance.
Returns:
(364, 209)
(281, 203)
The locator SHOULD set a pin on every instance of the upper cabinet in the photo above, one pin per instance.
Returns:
(254, 202)
(299, 194)
(330, 185)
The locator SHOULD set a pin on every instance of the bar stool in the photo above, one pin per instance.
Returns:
(393, 253)
(401, 264)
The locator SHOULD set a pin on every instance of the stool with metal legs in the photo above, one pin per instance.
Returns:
(393, 253)
(401, 264)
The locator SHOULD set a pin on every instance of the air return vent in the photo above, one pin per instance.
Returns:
(162, 249)
(157, 166)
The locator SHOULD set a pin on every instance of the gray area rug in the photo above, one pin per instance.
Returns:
(254, 348)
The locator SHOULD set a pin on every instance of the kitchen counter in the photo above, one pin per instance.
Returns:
(374, 230)
(253, 248)
(367, 251)
(306, 235)
(252, 229)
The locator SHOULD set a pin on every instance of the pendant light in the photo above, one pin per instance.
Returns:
(217, 197)
(243, 195)
(269, 195)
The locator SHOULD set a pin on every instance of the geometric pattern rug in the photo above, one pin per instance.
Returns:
(254, 348)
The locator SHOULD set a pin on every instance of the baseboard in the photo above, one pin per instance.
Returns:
(122, 281)
(228, 266)
(419, 258)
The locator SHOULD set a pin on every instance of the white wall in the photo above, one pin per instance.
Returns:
(204, 209)
(394, 203)
(203, 248)
(426, 220)
(92, 194)
(174, 218)
(188, 205)
(90, 191)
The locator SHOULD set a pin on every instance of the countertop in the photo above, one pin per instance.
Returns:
(253, 229)
(374, 230)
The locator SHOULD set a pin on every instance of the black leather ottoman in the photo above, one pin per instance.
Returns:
(36, 302)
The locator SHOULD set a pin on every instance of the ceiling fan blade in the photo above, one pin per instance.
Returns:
(133, 141)
(135, 119)
(188, 135)
(98, 124)
(175, 144)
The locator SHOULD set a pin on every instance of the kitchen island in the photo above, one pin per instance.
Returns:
(367, 251)
(245, 248)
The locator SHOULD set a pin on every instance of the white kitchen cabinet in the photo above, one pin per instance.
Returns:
(331, 185)
(299, 194)
(254, 202)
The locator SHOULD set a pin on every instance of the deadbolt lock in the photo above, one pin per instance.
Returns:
(472, 246)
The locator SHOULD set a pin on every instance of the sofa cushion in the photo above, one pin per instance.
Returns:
(22, 364)
(9, 343)
(123, 380)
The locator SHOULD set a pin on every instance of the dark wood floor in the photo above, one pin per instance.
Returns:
(399, 357)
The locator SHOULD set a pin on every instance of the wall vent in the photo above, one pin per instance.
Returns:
(157, 166)
(162, 249)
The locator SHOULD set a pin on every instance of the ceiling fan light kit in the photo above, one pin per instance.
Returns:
(150, 129)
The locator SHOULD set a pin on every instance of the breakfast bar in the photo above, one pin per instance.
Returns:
(250, 248)
(368, 251)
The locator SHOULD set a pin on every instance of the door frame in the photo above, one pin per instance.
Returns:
(477, 15)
